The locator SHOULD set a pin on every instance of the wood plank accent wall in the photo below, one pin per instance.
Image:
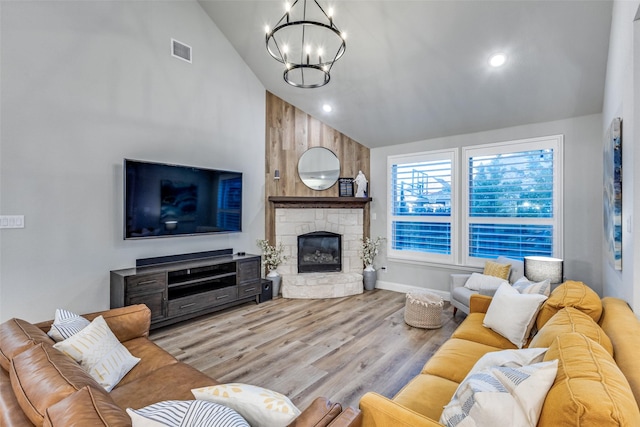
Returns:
(289, 133)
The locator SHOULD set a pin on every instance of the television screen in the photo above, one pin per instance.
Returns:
(170, 200)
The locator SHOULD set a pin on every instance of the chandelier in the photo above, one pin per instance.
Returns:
(307, 42)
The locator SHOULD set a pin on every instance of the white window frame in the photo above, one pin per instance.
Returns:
(554, 142)
(413, 256)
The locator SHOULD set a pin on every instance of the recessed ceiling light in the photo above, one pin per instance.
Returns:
(327, 108)
(497, 60)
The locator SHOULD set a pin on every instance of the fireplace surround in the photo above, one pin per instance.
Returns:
(291, 222)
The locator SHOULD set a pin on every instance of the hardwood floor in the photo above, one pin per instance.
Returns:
(338, 348)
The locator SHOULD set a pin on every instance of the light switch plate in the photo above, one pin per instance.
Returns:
(11, 221)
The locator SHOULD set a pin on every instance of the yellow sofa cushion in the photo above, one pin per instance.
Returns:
(471, 329)
(496, 269)
(589, 389)
(570, 294)
(623, 328)
(571, 320)
(455, 358)
(426, 394)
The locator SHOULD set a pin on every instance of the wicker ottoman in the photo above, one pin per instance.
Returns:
(423, 310)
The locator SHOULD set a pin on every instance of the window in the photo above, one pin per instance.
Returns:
(422, 191)
(510, 202)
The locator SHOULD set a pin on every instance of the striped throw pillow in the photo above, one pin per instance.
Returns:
(186, 413)
(66, 324)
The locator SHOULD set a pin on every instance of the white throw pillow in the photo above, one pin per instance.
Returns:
(99, 353)
(512, 314)
(483, 283)
(500, 395)
(186, 413)
(66, 324)
(525, 286)
(259, 406)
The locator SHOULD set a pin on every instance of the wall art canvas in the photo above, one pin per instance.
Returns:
(613, 193)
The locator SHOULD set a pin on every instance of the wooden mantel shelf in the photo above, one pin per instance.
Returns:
(319, 202)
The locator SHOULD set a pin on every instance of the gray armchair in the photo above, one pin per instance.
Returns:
(460, 295)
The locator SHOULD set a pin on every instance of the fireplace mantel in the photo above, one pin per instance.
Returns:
(319, 202)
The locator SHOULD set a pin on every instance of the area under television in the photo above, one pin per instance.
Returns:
(162, 200)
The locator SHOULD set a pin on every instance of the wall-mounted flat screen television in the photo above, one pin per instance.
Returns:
(162, 200)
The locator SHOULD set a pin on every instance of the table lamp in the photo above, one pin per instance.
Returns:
(539, 268)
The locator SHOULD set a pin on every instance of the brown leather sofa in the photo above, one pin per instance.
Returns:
(40, 385)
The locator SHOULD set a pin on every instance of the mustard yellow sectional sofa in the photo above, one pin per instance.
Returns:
(596, 342)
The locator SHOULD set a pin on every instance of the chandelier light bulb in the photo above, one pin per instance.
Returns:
(343, 35)
(287, 7)
(330, 13)
(267, 29)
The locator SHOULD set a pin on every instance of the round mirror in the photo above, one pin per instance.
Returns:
(319, 168)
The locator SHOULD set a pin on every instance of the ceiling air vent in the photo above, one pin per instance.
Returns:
(180, 50)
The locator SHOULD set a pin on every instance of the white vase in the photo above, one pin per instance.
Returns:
(275, 278)
(370, 276)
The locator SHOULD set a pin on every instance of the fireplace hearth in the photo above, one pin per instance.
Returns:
(319, 251)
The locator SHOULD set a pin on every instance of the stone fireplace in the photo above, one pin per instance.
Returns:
(347, 223)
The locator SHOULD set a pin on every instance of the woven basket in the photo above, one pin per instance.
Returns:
(423, 310)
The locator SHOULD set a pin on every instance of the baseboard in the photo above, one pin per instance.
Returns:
(399, 287)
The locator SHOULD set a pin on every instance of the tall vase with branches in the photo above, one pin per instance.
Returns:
(272, 257)
(370, 248)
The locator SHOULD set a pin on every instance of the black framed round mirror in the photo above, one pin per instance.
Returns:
(319, 168)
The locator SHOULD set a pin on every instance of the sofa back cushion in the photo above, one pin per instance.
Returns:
(589, 389)
(42, 376)
(570, 319)
(517, 267)
(623, 328)
(16, 336)
(86, 407)
(571, 294)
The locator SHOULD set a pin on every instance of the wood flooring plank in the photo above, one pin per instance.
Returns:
(338, 348)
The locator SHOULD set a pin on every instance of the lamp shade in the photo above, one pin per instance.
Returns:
(539, 268)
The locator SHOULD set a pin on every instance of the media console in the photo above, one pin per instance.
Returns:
(179, 290)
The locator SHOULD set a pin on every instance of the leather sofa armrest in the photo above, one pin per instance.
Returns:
(350, 417)
(458, 280)
(127, 323)
(379, 411)
(320, 413)
(479, 303)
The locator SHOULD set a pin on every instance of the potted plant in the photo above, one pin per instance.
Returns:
(272, 257)
(368, 254)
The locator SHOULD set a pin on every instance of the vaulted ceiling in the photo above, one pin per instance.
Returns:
(416, 70)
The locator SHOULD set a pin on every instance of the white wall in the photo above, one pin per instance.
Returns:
(622, 91)
(582, 200)
(84, 85)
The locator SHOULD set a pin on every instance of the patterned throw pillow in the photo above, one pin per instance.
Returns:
(491, 396)
(66, 324)
(99, 353)
(186, 413)
(525, 286)
(496, 269)
(259, 406)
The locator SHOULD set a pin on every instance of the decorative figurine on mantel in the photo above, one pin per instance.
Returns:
(361, 182)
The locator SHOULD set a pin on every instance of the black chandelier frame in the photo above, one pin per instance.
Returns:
(304, 63)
